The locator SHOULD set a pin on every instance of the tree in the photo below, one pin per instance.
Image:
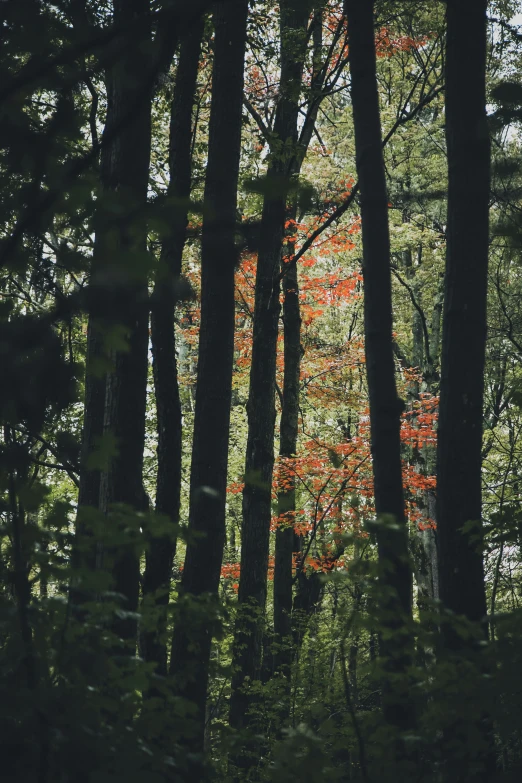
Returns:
(385, 405)
(257, 493)
(208, 480)
(464, 314)
(459, 449)
(122, 276)
(167, 290)
(287, 543)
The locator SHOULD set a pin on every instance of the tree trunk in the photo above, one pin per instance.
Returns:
(167, 291)
(385, 406)
(117, 300)
(459, 484)
(423, 541)
(286, 542)
(428, 570)
(94, 404)
(459, 461)
(285, 545)
(124, 276)
(200, 581)
(84, 552)
(257, 495)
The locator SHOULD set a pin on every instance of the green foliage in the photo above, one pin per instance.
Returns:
(76, 705)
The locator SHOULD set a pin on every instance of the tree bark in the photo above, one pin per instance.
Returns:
(94, 403)
(423, 541)
(84, 553)
(200, 581)
(385, 406)
(257, 495)
(459, 458)
(85, 545)
(123, 175)
(279, 662)
(124, 279)
(167, 290)
(459, 483)
(286, 542)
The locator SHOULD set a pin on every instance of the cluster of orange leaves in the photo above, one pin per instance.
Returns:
(418, 424)
(350, 472)
(387, 46)
(323, 563)
(232, 571)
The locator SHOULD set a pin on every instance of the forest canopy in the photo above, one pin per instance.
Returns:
(260, 399)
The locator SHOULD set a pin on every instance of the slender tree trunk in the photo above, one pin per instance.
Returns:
(459, 485)
(200, 581)
(423, 540)
(167, 291)
(428, 583)
(285, 537)
(123, 174)
(124, 276)
(94, 404)
(84, 553)
(459, 459)
(427, 540)
(94, 400)
(385, 406)
(286, 542)
(257, 495)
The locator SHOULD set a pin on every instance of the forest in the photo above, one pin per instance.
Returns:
(261, 391)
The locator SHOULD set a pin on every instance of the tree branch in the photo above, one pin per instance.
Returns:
(342, 208)
(265, 130)
(419, 310)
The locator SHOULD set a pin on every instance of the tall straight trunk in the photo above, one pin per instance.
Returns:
(85, 546)
(427, 540)
(208, 481)
(464, 313)
(84, 554)
(459, 462)
(385, 406)
(119, 170)
(94, 404)
(259, 464)
(159, 557)
(423, 542)
(286, 542)
(124, 276)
